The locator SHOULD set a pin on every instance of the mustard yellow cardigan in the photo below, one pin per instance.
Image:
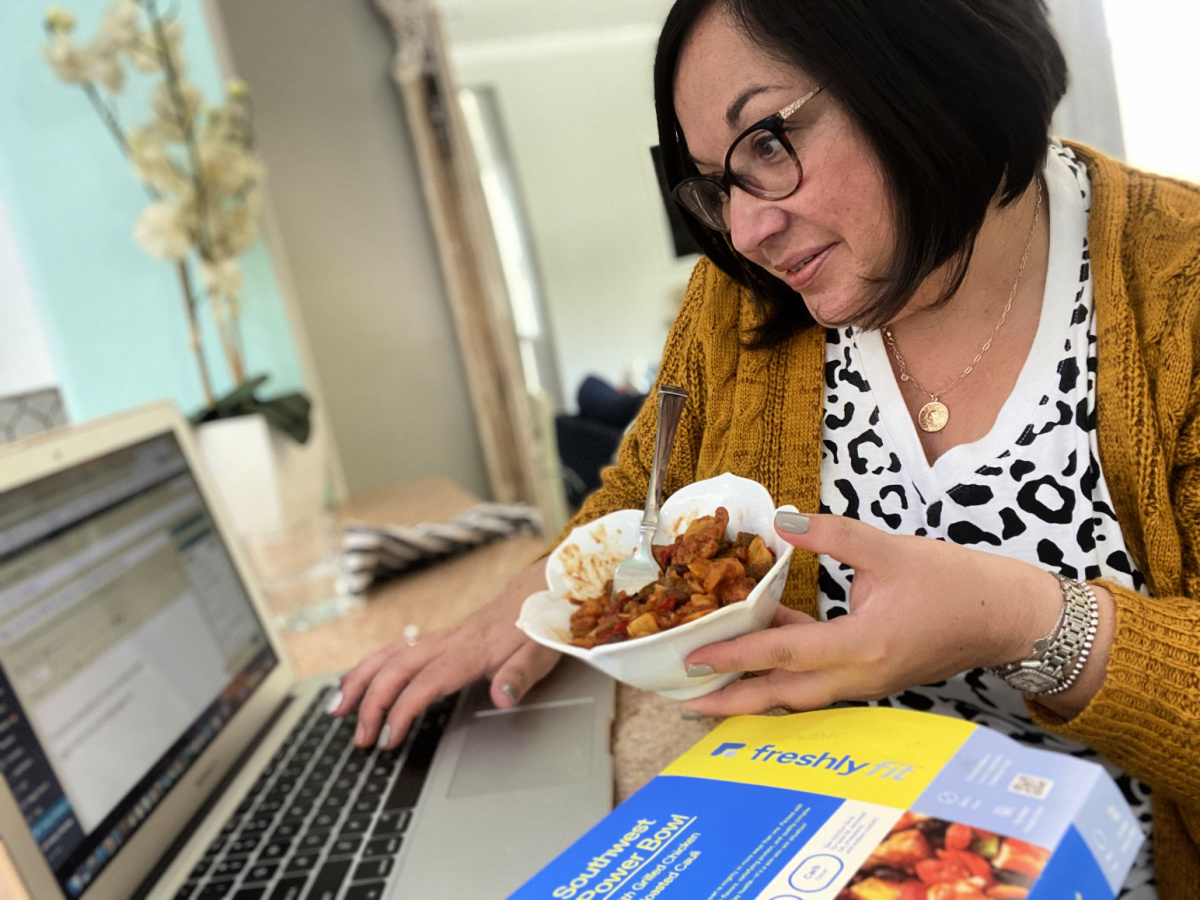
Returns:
(758, 414)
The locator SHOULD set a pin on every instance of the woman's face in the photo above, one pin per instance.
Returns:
(839, 220)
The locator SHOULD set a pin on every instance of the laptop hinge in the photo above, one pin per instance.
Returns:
(216, 795)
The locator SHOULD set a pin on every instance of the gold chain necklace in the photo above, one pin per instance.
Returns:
(934, 415)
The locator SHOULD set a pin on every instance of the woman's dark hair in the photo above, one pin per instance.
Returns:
(954, 97)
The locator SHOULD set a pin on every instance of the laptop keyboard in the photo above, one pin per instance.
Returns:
(325, 819)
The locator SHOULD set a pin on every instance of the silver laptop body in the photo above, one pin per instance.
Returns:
(144, 701)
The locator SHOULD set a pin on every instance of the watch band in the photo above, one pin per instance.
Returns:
(1059, 657)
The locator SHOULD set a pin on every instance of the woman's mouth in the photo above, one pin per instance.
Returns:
(801, 275)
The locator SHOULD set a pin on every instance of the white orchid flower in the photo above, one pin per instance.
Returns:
(223, 278)
(69, 61)
(161, 230)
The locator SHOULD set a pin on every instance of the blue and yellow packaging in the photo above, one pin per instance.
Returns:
(856, 804)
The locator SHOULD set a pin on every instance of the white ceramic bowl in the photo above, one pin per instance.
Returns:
(586, 559)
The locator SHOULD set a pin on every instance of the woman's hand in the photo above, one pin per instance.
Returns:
(399, 681)
(921, 610)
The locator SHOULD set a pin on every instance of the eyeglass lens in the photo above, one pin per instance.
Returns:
(760, 163)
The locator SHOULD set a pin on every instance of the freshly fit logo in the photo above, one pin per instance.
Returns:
(727, 749)
(839, 765)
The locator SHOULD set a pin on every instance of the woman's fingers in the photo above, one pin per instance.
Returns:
(354, 683)
(521, 671)
(387, 691)
(785, 615)
(847, 540)
(798, 645)
(749, 696)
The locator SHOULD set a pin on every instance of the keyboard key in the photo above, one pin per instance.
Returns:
(323, 821)
(303, 862)
(292, 888)
(345, 846)
(366, 805)
(392, 822)
(273, 851)
(200, 868)
(285, 831)
(374, 787)
(371, 890)
(255, 825)
(329, 880)
(185, 892)
(297, 812)
(336, 800)
(314, 841)
(215, 890)
(374, 868)
(386, 846)
(416, 767)
(261, 873)
(356, 825)
(244, 845)
(229, 867)
(250, 893)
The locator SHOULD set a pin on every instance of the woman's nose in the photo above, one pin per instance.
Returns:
(753, 220)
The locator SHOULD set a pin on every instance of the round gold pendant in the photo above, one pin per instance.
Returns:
(933, 416)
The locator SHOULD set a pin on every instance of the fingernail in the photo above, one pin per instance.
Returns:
(690, 715)
(510, 692)
(791, 522)
(385, 735)
(699, 671)
(334, 702)
(360, 732)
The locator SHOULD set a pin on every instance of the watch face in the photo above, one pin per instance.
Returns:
(1032, 681)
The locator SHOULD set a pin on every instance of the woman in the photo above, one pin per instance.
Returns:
(970, 357)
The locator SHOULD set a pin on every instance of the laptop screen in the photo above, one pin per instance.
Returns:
(127, 642)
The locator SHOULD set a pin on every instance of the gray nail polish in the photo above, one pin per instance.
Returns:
(699, 671)
(334, 702)
(385, 735)
(690, 715)
(510, 692)
(791, 522)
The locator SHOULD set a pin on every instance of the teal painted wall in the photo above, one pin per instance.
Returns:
(114, 317)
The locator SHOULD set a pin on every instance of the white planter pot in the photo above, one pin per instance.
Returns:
(267, 481)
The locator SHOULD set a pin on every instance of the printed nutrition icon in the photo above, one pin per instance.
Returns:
(932, 859)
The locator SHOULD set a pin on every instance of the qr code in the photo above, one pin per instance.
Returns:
(1031, 786)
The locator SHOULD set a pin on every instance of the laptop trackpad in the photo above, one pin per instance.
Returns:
(526, 747)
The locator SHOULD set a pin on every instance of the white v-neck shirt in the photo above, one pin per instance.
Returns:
(1030, 489)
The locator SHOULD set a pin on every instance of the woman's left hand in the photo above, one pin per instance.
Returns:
(921, 610)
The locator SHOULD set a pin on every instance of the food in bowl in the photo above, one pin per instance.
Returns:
(702, 571)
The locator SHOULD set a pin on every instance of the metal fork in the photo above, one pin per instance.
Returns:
(640, 569)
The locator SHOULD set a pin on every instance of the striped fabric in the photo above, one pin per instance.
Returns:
(374, 553)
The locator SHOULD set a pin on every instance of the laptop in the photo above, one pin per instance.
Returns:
(154, 741)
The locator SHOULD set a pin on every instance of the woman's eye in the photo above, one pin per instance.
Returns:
(765, 145)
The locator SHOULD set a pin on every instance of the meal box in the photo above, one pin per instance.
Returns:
(869, 803)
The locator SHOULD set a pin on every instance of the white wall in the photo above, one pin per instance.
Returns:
(1156, 54)
(573, 85)
(25, 362)
(352, 221)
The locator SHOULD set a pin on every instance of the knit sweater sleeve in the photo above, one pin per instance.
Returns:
(1146, 715)
(624, 484)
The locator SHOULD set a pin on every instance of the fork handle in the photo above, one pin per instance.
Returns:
(671, 401)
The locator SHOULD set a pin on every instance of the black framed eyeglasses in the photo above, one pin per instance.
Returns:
(761, 161)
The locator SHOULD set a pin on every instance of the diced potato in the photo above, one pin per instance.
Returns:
(760, 554)
(643, 625)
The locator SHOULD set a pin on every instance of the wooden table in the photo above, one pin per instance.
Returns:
(648, 730)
